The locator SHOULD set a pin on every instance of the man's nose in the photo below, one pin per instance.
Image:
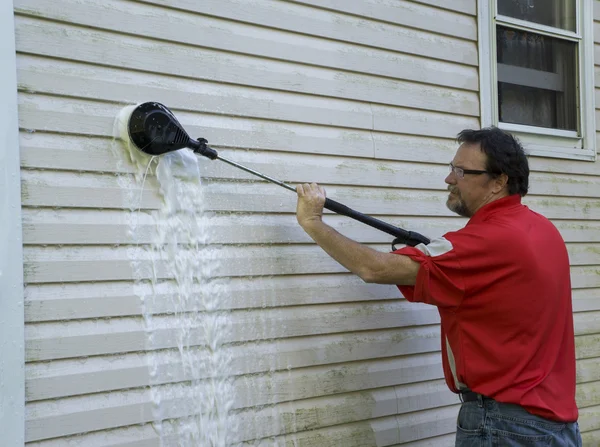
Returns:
(450, 179)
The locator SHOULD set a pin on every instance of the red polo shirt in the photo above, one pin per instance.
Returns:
(502, 287)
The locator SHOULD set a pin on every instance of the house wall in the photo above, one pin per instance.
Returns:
(12, 365)
(362, 97)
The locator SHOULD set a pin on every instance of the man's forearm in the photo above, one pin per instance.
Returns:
(369, 264)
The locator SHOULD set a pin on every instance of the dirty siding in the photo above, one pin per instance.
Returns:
(362, 97)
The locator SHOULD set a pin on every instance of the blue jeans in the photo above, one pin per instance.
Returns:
(487, 423)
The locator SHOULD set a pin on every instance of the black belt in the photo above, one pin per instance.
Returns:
(471, 396)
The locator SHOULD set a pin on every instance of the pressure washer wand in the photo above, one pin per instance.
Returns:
(402, 236)
(154, 130)
(252, 171)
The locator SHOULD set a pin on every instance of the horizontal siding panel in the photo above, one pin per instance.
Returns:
(404, 428)
(84, 414)
(235, 37)
(405, 13)
(145, 436)
(97, 119)
(85, 300)
(116, 410)
(588, 394)
(64, 190)
(132, 436)
(48, 341)
(57, 189)
(348, 408)
(52, 265)
(86, 45)
(296, 168)
(406, 425)
(401, 121)
(462, 6)
(584, 254)
(438, 441)
(240, 326)
(69, 301)
(587, 346)
(83, 81)
(587, 323)
(285, 353)
(113, 227)
(343, 27)
(324, 319)
(224, 100)
(133, 407)
(318, 413)
(585, 277)
(70, 152)
(591, 438)
(561, 166)
(588, 370)
(586, 300)
(62, 378)
(589, 419)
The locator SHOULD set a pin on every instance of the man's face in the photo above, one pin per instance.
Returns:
(468, 194)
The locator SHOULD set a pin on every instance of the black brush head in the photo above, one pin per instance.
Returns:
(155, 131)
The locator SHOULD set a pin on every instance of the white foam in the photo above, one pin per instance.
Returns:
(180, 248)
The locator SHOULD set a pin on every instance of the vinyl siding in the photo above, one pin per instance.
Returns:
(588, 372)
(362, 97)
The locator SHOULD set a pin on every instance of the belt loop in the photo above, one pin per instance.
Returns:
(480, 400)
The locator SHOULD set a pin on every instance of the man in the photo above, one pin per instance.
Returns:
(502, 288)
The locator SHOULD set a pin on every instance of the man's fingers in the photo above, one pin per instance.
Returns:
(314, 187)
(304, 189)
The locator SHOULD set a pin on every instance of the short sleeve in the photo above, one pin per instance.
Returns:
(440, 280)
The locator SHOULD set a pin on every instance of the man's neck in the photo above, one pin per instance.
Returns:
(492, 198)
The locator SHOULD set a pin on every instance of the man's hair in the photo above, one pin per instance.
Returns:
(505, 155)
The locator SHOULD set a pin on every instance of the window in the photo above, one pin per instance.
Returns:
(537, 74)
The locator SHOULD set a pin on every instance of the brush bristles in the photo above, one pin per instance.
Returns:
(122, 123)
(121, 132)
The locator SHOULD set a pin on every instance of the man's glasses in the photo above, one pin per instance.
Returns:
(460, 172)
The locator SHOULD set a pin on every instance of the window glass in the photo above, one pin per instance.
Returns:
(537, 83)
(556, 13)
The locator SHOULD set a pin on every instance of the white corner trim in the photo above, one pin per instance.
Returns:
(487, 63)
(12, 359)
(586, 92)
(541, 142)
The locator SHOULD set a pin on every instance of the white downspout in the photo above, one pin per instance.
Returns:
(12, 357)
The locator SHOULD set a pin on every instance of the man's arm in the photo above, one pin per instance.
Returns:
(370, 265)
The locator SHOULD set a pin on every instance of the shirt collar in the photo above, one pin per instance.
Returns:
(502, 204)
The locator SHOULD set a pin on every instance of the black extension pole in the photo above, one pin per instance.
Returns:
(155, 130)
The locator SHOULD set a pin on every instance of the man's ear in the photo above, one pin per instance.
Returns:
(500, 183)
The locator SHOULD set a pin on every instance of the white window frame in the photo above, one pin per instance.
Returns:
(12, 358)
(537, 140)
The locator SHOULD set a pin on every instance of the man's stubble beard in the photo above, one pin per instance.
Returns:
(457, 205)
